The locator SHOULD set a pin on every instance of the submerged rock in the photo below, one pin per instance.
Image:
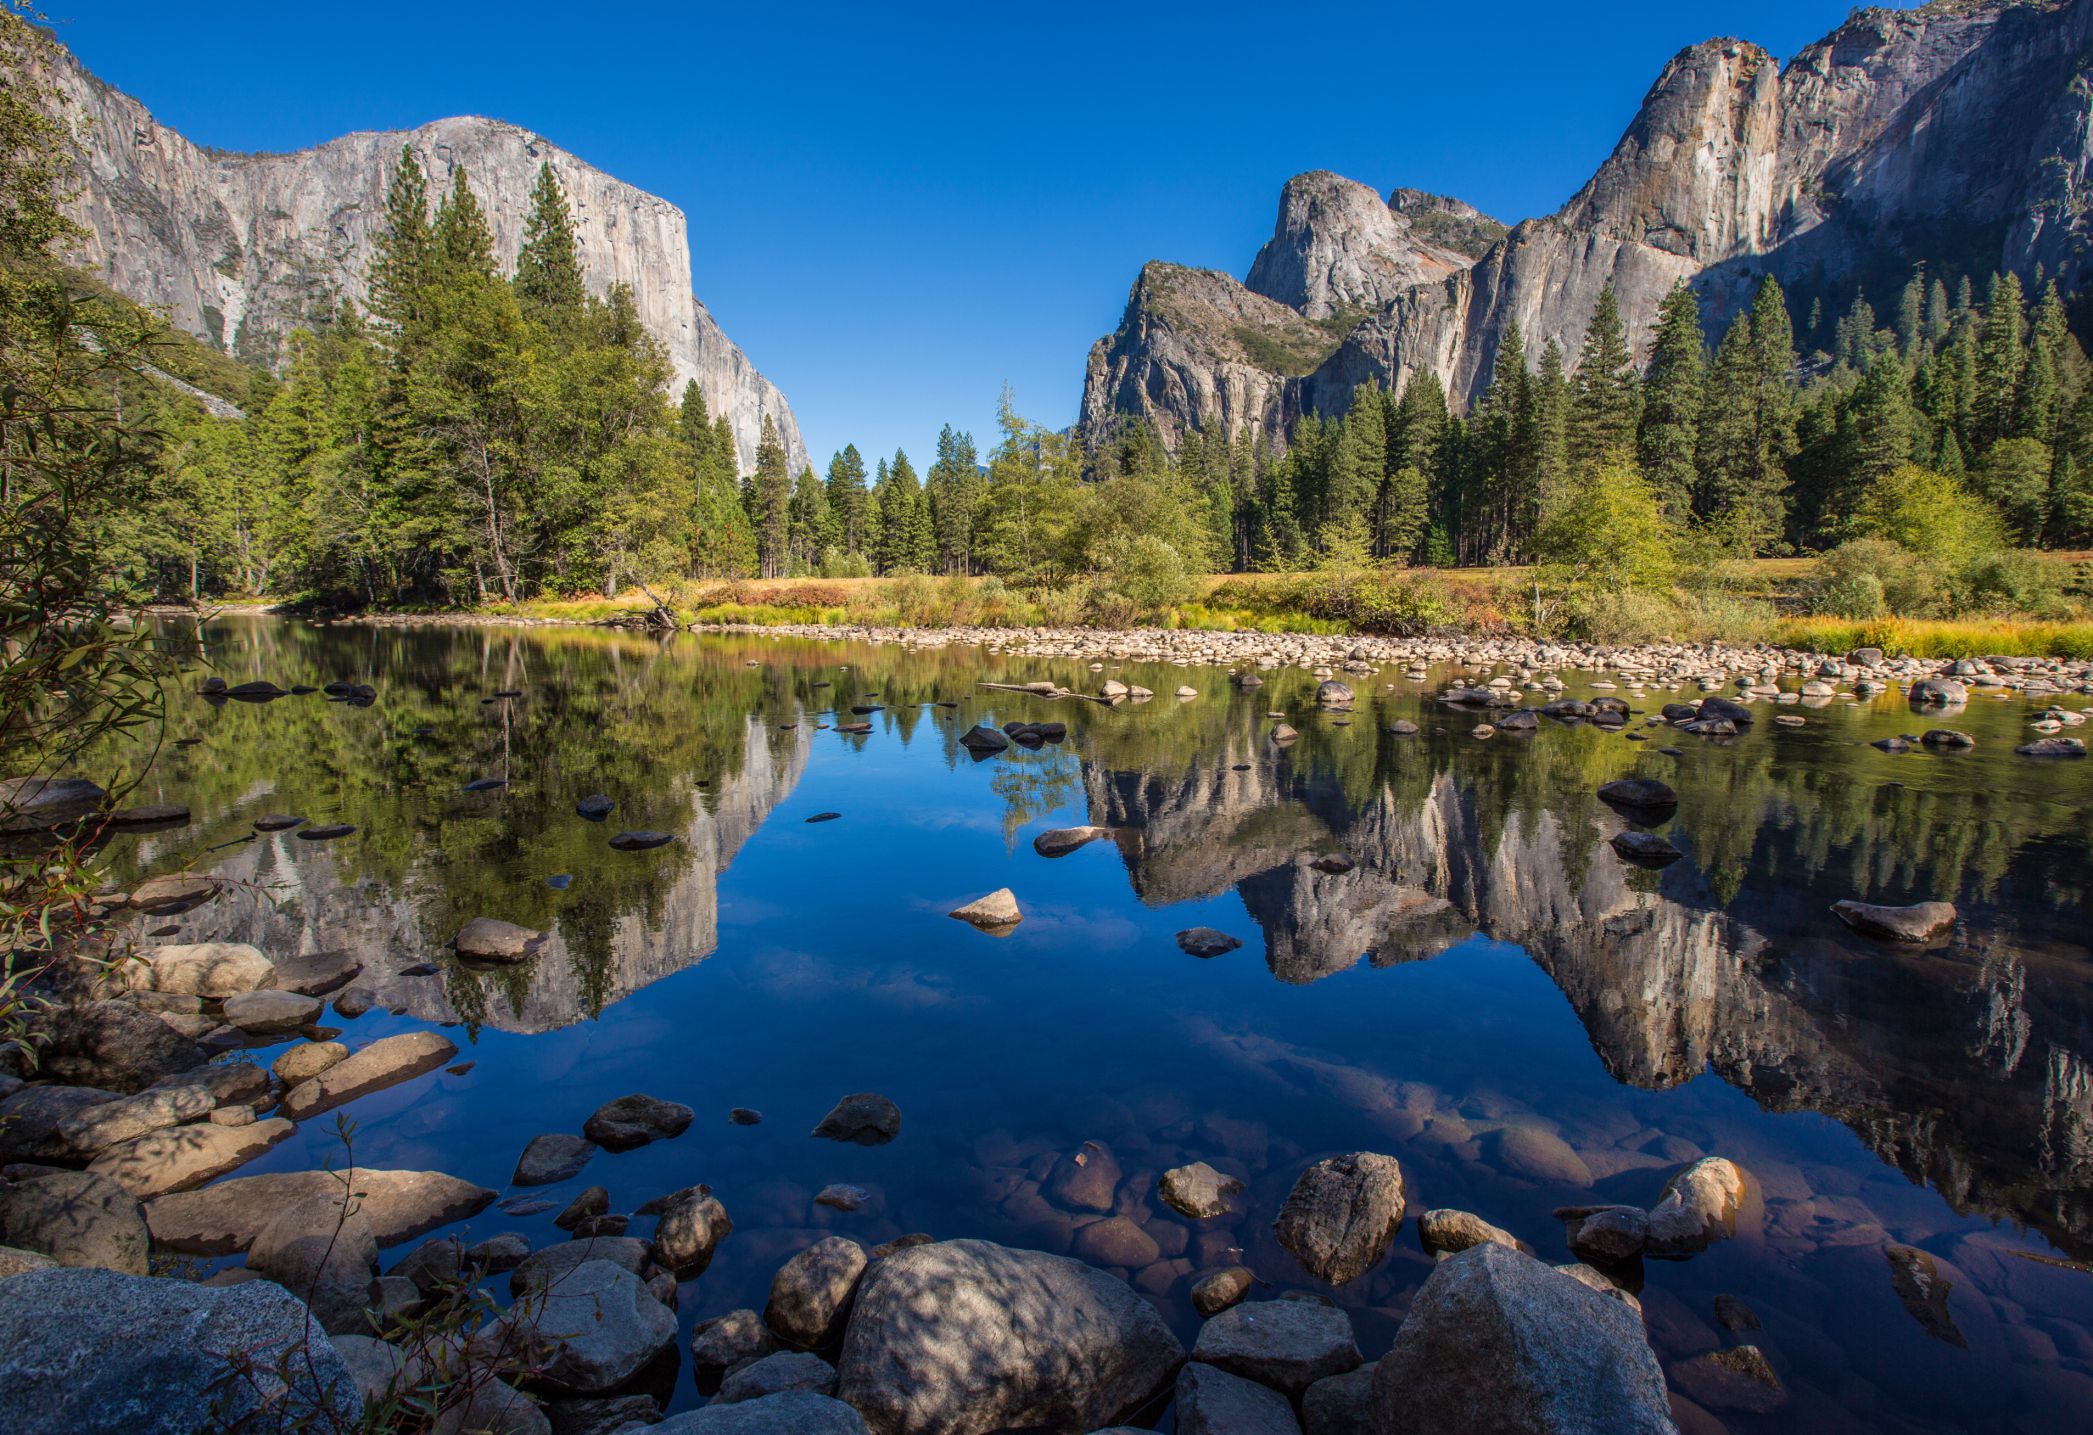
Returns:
(1214, 1293)
(969, 1337)
(2052, 747)
(552, 1157)
(1920, 922)
(983, 741)
(640, 841)
(1923, 1291)
(632, 1121)
(487, 939)
(1735, 1379)
(1205, 942)
(1640, 798)
(1447, 1232)
(1063, 840)
(811, 1294)
(1342, 1215)
(385, 1062)
(1496, 1341)
(1198, 1190)
(1697, 1207)
(595, 807)
(864, 1118)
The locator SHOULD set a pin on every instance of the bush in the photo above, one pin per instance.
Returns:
(1145, 573)
(1871, 577)
(1621, 615)
(1929, 514)
(836, 564)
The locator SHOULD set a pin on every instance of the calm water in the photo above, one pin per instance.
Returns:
(1489, 964)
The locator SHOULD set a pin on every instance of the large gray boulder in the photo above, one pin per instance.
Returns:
(968, 1337)
(811, 1293)
(1342, 1215)
(1212, 1402)
(322, 1250)
(148, 1357)
(775, 1374)
(224, 1219)
(1497, 1341)
(77, 1219)
(796, 1412)
(588, 1333)
(1286, 1344)
(30, 1120)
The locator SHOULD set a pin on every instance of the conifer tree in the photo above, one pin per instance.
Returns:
(770, 502)
(807, 521)
(847, 500)
(1668, 440)
(1551, 432)
(462, 243)
(403, 248)
(548, 268)
(2001, 355)
(1606, 395)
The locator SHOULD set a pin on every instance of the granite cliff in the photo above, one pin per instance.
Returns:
(1958, 134)
(241, 249)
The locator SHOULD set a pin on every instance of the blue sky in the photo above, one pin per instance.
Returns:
(897, 209)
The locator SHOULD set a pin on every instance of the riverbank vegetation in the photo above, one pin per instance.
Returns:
(490, 434)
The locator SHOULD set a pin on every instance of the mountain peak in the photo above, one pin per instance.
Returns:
(1339, 248)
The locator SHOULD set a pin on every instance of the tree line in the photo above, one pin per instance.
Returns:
(478, 437)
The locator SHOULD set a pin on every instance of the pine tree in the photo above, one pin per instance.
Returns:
(2038, 406)
(953, 491)
(548, 267)
(2001, 355)
(1668, 439)
(1606, 397)
(463, 245)
(847, 500)
(1884, 427)
(403, 248)
(1551, 432)
(1911, 314)
(770, 493)
(1936, 312)
(807, 521)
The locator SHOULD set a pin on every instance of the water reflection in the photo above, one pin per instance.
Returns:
(1967, 1066)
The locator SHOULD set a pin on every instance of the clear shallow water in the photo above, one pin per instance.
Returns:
(1489, 964)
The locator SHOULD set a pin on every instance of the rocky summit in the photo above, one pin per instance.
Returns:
(1960, 121)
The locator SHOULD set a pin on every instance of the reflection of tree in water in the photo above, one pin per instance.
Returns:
(1033, 784)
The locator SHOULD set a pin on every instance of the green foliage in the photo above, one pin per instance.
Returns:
(1147, 572)
(1928, 514)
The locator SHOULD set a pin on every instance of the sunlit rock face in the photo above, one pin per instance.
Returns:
(241, 249)
(591, 959)
(1958, 134)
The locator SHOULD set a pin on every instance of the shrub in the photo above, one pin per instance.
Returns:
(1146, 573)
(1929, 514)
(2011, 581)
(1870, 577)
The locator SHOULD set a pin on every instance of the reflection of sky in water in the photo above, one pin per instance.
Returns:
(836, 970)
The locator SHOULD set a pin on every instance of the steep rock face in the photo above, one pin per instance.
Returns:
(1338, 248)
(1196, 348)
(1960, 134)
(242, 249)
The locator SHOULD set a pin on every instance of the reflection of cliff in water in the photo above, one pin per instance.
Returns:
(593, 957)
(1968, 1070)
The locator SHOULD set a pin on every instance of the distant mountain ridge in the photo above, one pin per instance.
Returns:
(1959, 134)
(241, 249)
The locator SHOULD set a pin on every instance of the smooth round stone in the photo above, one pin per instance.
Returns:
(640, 841)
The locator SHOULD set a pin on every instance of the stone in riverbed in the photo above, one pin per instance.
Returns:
(1217, 1292)
(39, 804)
(186, 1156)
(385, 1062)
(995, 914)
(728, 1342)
(14, 1261)
(96, 1129)
(494, 1407)
(267, 1012)
(1340, 1404)
(224, 1219)
(1286, 1344)
(641, 841)
(552, 1157)
(488, 939)
(791, 1412)
(1063, 840)
(1938, 692)
(75, 1218)
(633, 1121)
(325, 832)
(1084, 1179)
(1644, 848)
(110, 1044)
(1946, 738)
(811, 1294)
(172, 893)
(1116, 1241)
(2052, 747)
(1609, 1235)
(1198, 1190)
(1640, 798)
(146, 1356)
(586, 1206)
(1209, 1401)
(1536, 1154)
(1342, 1215)
(969, 1337)
(1446, 1232)
(1205, 942)
(306, 1060)
(321, 1249)
(1735, 1379)
(550, 1265)
(595, 807)
(691, 1226)
(1497, 1341)
(1923, 1291)
(1697, 1207)
(775, 1374)
(1920, 922)
(277, 822)
(30, 1120)
(864, 1118)
(588, 1333)
(205, 969)
(316, 974)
